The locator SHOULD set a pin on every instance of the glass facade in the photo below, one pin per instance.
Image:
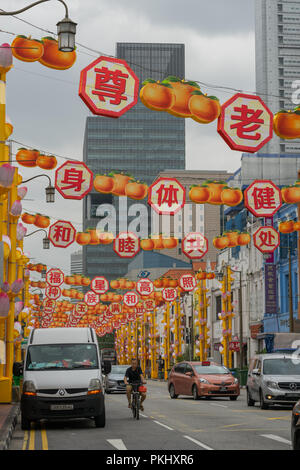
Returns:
(142, 142)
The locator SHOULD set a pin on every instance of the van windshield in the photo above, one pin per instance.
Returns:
(284, 366)
(62, 356)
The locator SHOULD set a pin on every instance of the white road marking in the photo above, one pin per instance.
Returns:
(216, 404)
(277, 438)
(164, 425)
(117, 443)
(144, 416)
(198, 443)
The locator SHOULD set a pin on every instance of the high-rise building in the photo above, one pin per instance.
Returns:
(277, 57)
(142, 142)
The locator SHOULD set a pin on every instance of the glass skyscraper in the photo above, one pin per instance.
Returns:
(142, 143)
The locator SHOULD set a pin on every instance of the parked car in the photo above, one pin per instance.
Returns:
(273, 379)
(202, 379)
(62, 376)
(295, 427)
(114, 381)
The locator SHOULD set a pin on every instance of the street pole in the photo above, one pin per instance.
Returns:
(241, 320)
(298, 249)
(290, 293)
(192, 330)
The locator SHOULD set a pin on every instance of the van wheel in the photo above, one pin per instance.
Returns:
(25, 423)
(195, 393)
(263, 405)
(250, 402)
(172, 391)
(100, 420)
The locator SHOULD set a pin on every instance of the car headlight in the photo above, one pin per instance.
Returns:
(236, 381)
(94, 387)
(272, 384)
(203, 381)
(112, 382)
(29, 388)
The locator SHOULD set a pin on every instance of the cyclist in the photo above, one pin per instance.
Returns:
(134, 374)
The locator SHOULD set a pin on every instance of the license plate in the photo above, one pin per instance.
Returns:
(292, 395)
(223, 389)
(61, 407)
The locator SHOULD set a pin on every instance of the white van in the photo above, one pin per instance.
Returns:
(62, 376)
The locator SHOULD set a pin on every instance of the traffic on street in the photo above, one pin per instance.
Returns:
(183, 424)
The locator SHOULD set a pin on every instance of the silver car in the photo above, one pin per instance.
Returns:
(273, 379)
(114, 381)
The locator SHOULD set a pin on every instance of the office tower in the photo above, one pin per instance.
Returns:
(277, 56)
(142, 142)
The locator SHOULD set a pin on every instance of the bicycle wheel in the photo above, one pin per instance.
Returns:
(137, 407)
(133, 406)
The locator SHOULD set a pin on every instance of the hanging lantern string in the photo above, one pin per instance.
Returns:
(225, 89)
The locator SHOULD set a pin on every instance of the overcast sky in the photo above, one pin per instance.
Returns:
(44, 106)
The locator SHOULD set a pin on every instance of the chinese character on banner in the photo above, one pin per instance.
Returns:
(99, 285)
(245, 123)
(80, 309)
(149, 304)
(131, 316)
(262, 198)
(126, 245)
(91, 299)
(187, 282)
(52, 292)
(139, 310)
(48, 306)
(144, 287)
(62, 234)
(166, 196)
(194, 245)
(109, 87)
(73, 180)
(115, 308)
(266, 239)
(169, 294)
(55, 277)
(131, 299)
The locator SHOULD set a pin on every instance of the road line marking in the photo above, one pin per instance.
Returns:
(164, 425)
(277, 438)
(231, 425)
(25, 442)
(198, 443)
(117, 443)
(31, 438)
(44, 438)
(216, 404)
(286, 418)
(144, 416)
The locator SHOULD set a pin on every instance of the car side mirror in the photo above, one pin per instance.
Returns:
(18, 368)
(106, 367)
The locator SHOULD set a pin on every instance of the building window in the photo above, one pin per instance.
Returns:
(218, 305)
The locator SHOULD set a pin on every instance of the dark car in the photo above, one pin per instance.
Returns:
(295, 427)
(114, 381)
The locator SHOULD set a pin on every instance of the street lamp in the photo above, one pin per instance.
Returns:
(66, 28)
(50, 190)
(46, 240)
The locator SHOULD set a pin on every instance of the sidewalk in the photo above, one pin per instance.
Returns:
(8, 419)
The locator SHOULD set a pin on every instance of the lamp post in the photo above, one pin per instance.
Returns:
(66, 28)
(50, 190)
(46, 240)
(240, 317)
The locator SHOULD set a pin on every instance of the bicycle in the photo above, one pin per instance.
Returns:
(137, 388)
(136, 399)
